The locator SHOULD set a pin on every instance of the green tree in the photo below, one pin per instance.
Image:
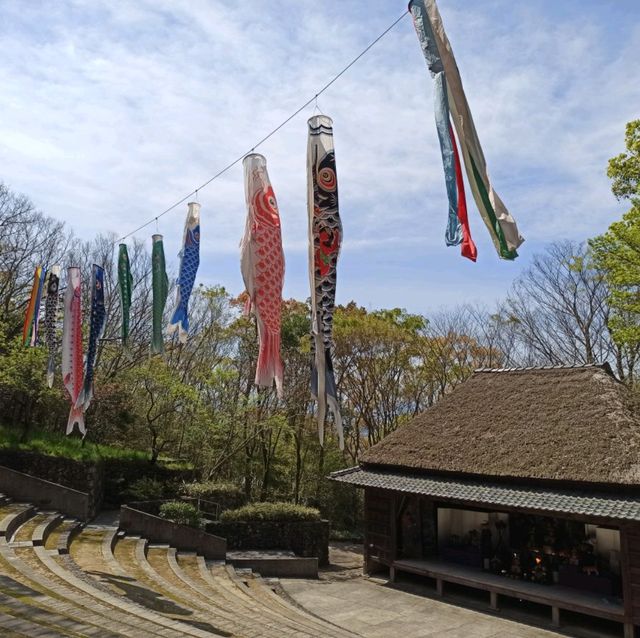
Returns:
(162, 402)
(617, 251)
(624, 169)
(25, 398)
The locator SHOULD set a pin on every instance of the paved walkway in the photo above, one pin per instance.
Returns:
(376, 609)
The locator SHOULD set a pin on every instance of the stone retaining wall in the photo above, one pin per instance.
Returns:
(304, 538)
(45, 494)
(105, 481)
(159, 530)
(81, 476)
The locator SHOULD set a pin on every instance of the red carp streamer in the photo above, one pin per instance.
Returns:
(262, 264)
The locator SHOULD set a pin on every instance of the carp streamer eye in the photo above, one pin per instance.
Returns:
(327, 179)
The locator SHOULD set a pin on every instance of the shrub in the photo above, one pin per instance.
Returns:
(281, 512)
(227, 495)
(146, 489)
(181, 513)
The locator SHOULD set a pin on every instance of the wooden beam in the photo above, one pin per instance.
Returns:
(443, 501)
(393, 549)
(555, 616)
(629, 630)
(625, 568)
(493, 597)
(439, 586)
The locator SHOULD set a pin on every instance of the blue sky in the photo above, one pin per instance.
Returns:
(111, 111)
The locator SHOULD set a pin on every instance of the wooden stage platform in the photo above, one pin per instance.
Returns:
(556, 596)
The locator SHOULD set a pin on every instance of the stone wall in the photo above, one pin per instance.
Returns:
(159, 530)
(304, 538)
(81, 476)
(105, 481)
(45, 494)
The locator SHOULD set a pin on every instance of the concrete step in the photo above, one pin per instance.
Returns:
(52, 540)
(19, 626)
(30, 595)
(152, 563)
(153, 594)
(221, 585)
(42, 613)
(42, 531)
(272, 624)
(24, 531)
(59, 577)
(252, 583)
(125, 618)
(12, 516)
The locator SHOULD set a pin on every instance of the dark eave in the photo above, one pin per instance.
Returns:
(589, 504)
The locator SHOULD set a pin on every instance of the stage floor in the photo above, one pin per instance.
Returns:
(556, 596)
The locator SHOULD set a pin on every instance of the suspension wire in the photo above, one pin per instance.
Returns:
(271, 133)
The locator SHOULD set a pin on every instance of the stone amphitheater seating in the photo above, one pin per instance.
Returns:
(59, 577)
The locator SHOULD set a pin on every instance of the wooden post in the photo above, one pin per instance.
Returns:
(555, 616)
(439, 587)
(493, 597)
(393, 527)
(392, 574)
(629, 630)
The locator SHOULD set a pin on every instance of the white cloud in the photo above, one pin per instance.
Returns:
(113, 111)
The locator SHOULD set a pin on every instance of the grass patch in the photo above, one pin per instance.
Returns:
(54, 444)
(282, 512)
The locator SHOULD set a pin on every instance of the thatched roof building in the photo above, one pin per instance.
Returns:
(541, 463)
(570, 424)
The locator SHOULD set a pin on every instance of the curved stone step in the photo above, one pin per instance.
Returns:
(13, 516)
(53, 539)
(35, 599)
(66, 568)
(245, 621)
(224, 575)
(264, 595)
(23, 608)
(275, 623)
(154, 592)
(24, 532)
(86, 605)
(25, 628)
(39, 567)
(222, 585)
(67, 535)
(151, 561)
(268, 597)
(42, 531)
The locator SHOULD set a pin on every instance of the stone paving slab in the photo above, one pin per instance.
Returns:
(376, 611)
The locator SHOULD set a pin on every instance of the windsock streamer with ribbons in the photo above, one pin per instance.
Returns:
(450, 96)
(30, 327)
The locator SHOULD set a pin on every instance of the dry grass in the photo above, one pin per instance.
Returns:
(572, 424)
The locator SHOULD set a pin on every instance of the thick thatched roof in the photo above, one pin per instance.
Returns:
(564, 423)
